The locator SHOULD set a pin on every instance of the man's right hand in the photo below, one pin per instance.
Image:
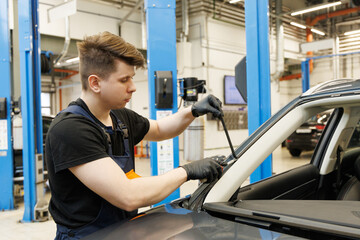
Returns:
(207, 168)
(209, 104)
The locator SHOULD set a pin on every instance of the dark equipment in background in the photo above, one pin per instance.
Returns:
(190, 88)
(240, 78)
(163, 89)
(232, 95)
(3, 112)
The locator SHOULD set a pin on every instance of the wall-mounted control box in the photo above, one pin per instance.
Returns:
(163, 89)
(3, 112)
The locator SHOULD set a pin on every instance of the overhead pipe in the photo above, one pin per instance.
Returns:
(309, 38)
(185, 21)
(352, 22)
(333, 14)
(226, 11)
(309, 35)
(66, 44)
(71, 73)
(143, 28)
(279, 43)
(137, 5)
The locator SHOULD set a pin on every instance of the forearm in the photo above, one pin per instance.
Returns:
(106, 178)
(171, 126)
(146, 191)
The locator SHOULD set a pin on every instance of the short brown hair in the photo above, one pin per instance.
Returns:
(98, 53)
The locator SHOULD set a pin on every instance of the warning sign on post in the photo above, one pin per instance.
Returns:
(165, 149)
(3, 135)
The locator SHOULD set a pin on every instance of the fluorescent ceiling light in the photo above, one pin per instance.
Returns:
(317, 7)
(304, 27)
(318, 32)
(235, 1)
(76, 59)
(352, 32)
(298, 25)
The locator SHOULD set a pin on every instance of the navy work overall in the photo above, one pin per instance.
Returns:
(108, 213)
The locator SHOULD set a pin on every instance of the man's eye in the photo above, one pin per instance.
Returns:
(124, 80)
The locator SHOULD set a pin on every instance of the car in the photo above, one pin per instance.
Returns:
(306, 137)
(317, 200)
(17, 152)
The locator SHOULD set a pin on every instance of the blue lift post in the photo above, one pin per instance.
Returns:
(30, 90)
(6, 154)
(161, 56)
(305, 67)
(37, 77)
(258, 73)
(305, 75)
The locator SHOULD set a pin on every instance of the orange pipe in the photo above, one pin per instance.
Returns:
(333, 14)
(65, 70)
(309, 38)
(290, 77)
(71, 73)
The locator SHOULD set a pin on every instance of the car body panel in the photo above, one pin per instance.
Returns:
(298, 214)
(172, 222)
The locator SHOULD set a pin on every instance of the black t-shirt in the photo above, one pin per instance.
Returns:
(72, 140)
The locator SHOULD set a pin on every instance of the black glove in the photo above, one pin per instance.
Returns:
(207, 168)
(209, 104)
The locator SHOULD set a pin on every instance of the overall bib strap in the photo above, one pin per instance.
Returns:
(76, 109)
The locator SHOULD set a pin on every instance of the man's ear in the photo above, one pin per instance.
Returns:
(94, 83)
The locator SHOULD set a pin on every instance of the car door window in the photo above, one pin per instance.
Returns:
(298, 148)
(355, 138)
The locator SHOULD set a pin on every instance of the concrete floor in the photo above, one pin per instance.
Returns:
(11, 227)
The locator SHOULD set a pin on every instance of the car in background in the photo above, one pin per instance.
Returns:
(17, 152)
(306, 137)
(318, 200)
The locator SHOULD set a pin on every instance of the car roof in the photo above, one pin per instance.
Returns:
(48, 116)
(334, 87)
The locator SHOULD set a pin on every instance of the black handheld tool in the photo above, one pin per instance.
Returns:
(228, 137)
(231, 147)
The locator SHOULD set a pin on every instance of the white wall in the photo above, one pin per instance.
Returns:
(216, 48)
(324, 69)
(91, 18)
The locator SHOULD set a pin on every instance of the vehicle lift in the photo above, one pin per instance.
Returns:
(36, 208)
(162, 70)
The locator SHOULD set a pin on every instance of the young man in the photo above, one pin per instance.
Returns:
(89, 146)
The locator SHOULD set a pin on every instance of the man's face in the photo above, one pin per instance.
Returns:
(117, 89)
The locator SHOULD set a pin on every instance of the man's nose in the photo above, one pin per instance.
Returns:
(132, 87)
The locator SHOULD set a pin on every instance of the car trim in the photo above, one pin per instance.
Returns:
(282, 215)
(320, 149)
